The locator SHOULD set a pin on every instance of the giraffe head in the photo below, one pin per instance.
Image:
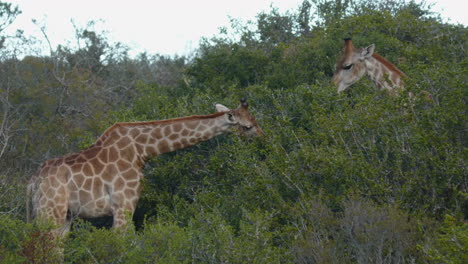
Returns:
(351, 65)
(241, 119)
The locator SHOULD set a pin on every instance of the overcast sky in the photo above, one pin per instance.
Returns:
(162, 26)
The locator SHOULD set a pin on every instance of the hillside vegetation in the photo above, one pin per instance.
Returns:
(361, 177)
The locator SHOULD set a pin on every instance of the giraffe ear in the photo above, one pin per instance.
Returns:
(221, 108)
(367, 51)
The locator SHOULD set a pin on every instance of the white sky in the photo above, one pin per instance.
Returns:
(162, 26)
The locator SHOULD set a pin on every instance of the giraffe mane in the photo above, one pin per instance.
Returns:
(388, 64)
(156, 122)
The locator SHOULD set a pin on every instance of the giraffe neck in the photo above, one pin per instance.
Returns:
(146, 139)
(383, 73)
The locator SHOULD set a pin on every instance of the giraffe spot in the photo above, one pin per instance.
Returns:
(123, 165)
(134, 132)
(85, 197)
(193, 140)
(146, 130)
(202, 127)
(177, 145)
(63, 174)
(78, 179)
(185, 132)
(207, 136)
(139, 148)
(45, 184)
(191, 124)
(77, 167)
(151, 141)
(133, 184)
(109, 173)
(57, 162)
(69, 160)
(123, 130)
(129, 193)
(54, 182)
(88, 184)
(50, 193)
(177, 127)
(72, 186)
(167, 131)
(45, 170)
(60, 199)
(53, 170)
(129, 206)
(103, 155)
(142, 139)
(87, 170)
(157, 134)
(111, 138)
(130, 175)
(50, 203)
(91, 152)
(117, 200)
(128, 153)
(97, 165)
(61, 191)
(123, 142)
(198, 135)
(98, 142)
(185, 142)
(108, 141)
(113, 154)
(163, 147)
(173, 137)
(80, 159)
(119, 184)
(150, 150)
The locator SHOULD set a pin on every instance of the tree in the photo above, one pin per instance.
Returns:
(8, 14)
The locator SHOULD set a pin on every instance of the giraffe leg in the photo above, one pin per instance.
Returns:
(120, 218)
(60, 219)
(122, 214)
(66, 226)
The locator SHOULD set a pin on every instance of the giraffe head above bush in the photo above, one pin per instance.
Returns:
(354, 63)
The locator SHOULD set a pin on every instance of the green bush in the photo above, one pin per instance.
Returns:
(450, 244)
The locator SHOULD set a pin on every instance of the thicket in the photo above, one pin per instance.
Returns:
(356, 178)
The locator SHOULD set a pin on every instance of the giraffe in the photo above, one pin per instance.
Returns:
(105, 179)
(354, 63)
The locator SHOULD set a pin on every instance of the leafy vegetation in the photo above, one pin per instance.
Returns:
(362, 178)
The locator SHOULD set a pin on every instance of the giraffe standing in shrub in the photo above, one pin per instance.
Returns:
(355, 63)
(105, 179)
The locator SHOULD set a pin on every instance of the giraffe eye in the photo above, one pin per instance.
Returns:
(347, 67)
